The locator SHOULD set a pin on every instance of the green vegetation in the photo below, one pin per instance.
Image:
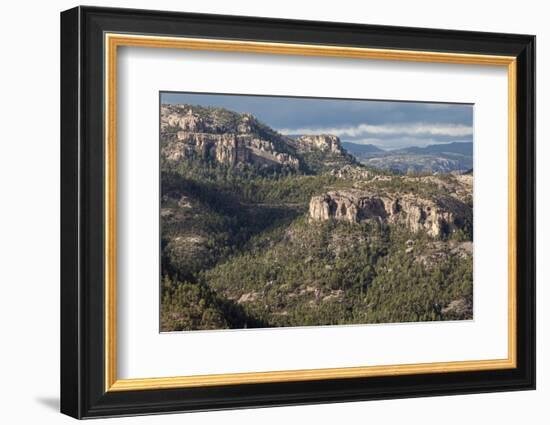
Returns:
(320, 162)
(258, 261)
(238, 249)
(337, 273)
(188, 306)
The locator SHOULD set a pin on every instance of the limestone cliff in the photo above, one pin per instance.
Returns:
(437, 217)
(222, 136)
(230, 138)
(321, 142)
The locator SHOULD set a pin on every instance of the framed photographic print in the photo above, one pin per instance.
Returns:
(261, 212)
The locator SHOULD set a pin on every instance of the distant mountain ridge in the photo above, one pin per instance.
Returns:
(436, 158)
(462, 148)
(360, 150)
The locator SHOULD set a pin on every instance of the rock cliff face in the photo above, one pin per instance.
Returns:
(227, 148)
(230, 138)
(437, 217)
(186, 120)
(225, 137)
(323, 142)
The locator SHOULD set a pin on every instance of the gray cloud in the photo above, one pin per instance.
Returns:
(427, 129)
(389, 123)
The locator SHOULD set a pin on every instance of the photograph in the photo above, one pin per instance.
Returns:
(280, 211)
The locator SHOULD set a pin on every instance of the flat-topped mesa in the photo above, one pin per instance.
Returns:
(323, 142)
(437, 218)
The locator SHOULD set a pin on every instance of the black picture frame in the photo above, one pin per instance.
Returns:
(83, 392)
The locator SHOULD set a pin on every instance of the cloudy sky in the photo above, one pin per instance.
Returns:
(388, 125)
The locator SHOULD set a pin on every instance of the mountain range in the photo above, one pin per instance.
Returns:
(439, 158)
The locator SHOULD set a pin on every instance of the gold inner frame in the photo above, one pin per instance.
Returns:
(113, 41)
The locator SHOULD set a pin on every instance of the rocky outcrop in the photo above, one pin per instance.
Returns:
(228, 149)
(437, 217)
(229, 139)
(352, 172)
(324, 142)
(347, 206)
(461, 309)
(190, 122)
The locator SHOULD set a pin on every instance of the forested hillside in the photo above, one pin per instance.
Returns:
(263, 230)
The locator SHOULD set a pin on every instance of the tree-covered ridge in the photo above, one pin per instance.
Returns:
(240, 247)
